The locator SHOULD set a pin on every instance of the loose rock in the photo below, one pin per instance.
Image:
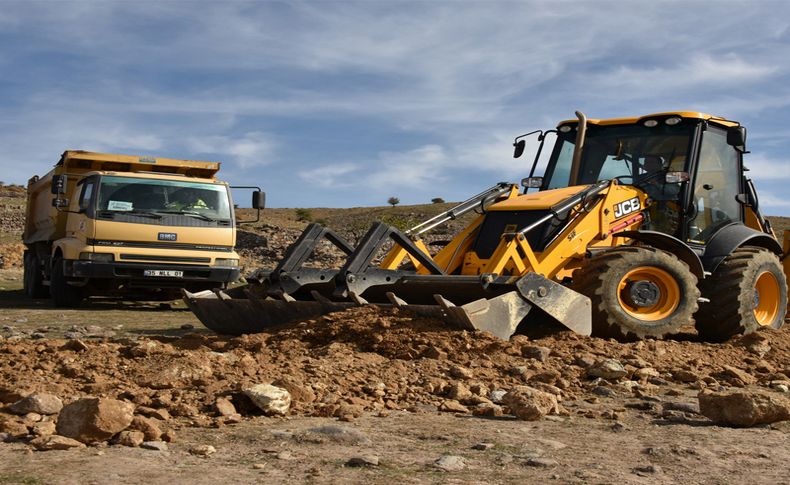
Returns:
(607, 369)
(154, 445)
(39, 402)
(270, 399)
(90, 420)
(450, 463)
(529, 403)
(203, 450)
(131, 439)
(55, 442)
(744, 407)
(363, 461)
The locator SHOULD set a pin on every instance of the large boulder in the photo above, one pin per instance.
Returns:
(91, 419)
(744, 407)
(272, 400)
(39, 403)
(529, 403)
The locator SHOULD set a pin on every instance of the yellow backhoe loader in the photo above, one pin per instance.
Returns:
(637, 227)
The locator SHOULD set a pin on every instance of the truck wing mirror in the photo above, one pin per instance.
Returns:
(59, 184)
(258, 199)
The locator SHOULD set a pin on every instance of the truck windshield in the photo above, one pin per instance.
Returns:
(630, 153)
(159, 197)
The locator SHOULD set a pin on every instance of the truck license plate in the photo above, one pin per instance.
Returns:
(163, 272)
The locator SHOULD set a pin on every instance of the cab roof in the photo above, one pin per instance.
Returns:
(636, 120)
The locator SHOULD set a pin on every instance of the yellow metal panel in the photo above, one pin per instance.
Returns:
(78, 161)
(126, 231)
(538, 200)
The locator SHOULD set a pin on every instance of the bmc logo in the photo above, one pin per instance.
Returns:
(167, 236)
(624, 208)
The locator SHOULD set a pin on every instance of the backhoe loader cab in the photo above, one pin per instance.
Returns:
(660, 155)
(640, 226)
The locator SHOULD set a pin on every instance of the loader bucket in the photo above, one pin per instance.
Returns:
(241, 312)
(292, 293)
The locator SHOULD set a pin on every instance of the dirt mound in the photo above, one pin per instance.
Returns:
(369, 359)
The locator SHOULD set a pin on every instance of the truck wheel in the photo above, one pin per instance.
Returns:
(637, 292)
(748, 291)
(63, 294)
(33, 277)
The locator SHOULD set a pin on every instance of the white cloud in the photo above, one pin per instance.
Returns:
(253, 149)
(764, 168)
(771, 204)
(330, 176)
(414, 169)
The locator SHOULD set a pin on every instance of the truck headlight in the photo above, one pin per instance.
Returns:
(98, 257)
(226, 262)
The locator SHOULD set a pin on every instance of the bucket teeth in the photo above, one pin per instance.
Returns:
(393, 298)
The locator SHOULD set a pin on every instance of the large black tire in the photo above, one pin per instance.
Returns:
(748, 291)
(63, 294)
(33, 277)
(637, 292)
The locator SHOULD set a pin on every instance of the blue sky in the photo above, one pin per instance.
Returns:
(344, 104)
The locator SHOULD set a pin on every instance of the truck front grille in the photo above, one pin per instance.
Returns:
(169, 259)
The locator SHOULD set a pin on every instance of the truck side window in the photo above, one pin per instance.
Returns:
(717, 182)
(85, 197)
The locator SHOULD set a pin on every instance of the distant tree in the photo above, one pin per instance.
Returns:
(437, 200)
(393, 201)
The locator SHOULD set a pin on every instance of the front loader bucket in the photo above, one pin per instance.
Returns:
(500, 315)
(292, 293)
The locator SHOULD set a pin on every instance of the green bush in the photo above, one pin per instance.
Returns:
(305, 215)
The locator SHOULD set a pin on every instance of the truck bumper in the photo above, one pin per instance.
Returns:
(135, 271)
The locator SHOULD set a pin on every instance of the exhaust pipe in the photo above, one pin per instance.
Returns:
(581, 132)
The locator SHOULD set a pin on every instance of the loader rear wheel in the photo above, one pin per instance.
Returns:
(637, 292)
(748, 291)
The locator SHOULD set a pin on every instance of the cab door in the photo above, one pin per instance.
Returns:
(717, 183)
(81, 224)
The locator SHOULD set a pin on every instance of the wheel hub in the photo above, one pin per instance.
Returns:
(644, 294)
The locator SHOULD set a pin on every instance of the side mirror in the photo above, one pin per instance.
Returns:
(60, 203)
(736, 136)
(258, 199)
(519, 148)
(58, 184)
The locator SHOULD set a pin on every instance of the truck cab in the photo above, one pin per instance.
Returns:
(135, 227)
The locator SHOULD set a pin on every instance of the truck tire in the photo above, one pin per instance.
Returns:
(63, 294)
(748, 291)
(33, 277)
(638, 292)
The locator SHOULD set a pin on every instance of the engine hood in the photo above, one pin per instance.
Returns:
(544, 199)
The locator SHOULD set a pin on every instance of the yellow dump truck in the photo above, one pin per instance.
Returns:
(135, 227)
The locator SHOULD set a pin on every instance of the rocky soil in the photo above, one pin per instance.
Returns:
(375, 396)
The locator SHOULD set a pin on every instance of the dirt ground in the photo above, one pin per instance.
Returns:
(160, 357)
(394, 391)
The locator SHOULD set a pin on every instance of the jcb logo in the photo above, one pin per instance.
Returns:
(624, 208)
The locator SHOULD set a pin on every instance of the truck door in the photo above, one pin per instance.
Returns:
(81, 225)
